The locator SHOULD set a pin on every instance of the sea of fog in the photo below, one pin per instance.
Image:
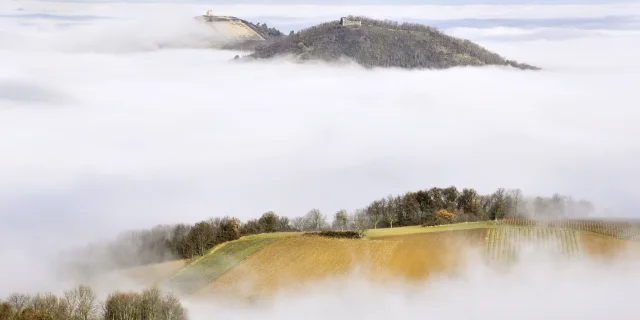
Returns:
(115, 116)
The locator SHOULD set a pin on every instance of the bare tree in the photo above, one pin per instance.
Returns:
(171, 308)
(375, 212)
(46, 306)
(498, 208)
(82, 302)
(150, 304)
(360, 221)
(283, 224)
(299, 223)
(316, 220)
(122, 306)
(391, 217)
(18, 301)
(558, 205)
(516, 201)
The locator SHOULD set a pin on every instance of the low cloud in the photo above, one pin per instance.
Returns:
(540, 285)
(26, 92)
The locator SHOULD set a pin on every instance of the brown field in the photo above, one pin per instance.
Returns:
(605, 247)
(261, 265)
(296, 262)
(419, 256)
(300, 261)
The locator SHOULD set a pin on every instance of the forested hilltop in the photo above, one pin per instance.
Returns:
(425, 207)
(376, 43)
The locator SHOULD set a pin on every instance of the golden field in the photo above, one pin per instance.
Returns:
(258, 266)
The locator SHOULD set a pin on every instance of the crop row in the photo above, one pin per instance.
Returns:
(619, 229)
(504, 241)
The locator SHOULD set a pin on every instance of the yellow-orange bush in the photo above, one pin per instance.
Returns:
(443, 217)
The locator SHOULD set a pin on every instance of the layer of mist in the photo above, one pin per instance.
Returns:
(106, 129)
(541, 284)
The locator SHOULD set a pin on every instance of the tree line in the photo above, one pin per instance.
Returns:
(82, 303)
(425, 207)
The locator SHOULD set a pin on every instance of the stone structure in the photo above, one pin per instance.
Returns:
(346, 22)
(209, 13)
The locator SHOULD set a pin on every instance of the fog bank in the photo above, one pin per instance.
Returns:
(540, 285)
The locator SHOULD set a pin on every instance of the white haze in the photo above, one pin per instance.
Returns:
(541, 285)
(102, 131)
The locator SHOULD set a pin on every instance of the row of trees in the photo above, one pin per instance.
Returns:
(468, 205)
(453, 205)
(82, 303)
(169, 242)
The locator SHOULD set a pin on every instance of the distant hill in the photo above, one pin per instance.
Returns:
(376, 43)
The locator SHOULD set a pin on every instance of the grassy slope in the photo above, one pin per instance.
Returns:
(220, 260)
(297, 260)
(374, 233)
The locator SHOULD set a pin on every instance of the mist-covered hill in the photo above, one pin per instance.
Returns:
(376, 43)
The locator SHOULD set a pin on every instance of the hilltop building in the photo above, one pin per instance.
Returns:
(347, 22)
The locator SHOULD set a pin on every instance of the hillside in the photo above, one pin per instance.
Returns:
(260, 265)
(375, 43)
(235, 33)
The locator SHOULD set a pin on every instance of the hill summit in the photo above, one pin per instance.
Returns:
(377, 43)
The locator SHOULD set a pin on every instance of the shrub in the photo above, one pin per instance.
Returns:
(250, 227)
(336, 234)
(228, 230)
(429, 223)
(444, 217)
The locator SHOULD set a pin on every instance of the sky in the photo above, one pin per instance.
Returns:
(116, 116)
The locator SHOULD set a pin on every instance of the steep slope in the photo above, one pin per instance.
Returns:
(234, 33)
(374, 43)
(219, 260)
(298, 262)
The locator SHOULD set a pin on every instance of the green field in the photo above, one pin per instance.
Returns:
(220, 260)
(383, 232)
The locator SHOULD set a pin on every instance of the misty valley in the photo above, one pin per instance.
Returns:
(177, 160)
